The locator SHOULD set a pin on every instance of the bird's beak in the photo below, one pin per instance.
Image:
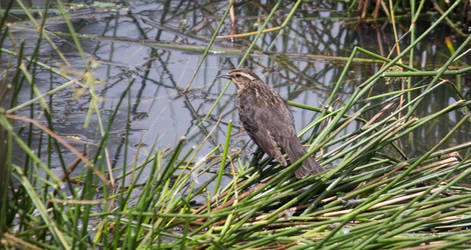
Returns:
(225, 76)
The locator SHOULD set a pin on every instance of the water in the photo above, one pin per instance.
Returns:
(303, 62)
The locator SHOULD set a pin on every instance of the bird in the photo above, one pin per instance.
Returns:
(268, 121)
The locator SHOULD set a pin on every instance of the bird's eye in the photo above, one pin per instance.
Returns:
(237, 75)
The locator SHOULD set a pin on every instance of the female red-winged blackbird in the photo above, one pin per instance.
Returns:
(268, 121)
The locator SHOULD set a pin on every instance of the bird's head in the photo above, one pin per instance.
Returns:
(240, 77)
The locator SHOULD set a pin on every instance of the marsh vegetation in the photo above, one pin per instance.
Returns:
(116, 133)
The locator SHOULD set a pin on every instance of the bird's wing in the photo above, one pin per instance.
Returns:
(255, 119)
(280, 122)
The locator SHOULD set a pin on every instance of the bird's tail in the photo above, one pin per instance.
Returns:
(295, 150)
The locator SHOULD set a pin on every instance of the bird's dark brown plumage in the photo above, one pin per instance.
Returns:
(268, 121)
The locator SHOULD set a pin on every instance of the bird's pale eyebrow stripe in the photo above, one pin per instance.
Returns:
(247, 75)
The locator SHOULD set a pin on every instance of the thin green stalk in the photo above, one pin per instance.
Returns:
(224, 157)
